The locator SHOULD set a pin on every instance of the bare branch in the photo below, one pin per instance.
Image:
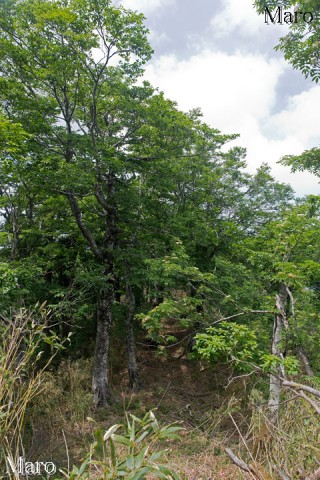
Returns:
(82, 227)
(281, 474)
(241, 464)
(300, 386)
(246, 312)
(315, 405)
(305, 362)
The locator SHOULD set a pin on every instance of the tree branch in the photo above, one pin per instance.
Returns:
(299, 386)
(82, 227)
(241, 464)
(309, 400)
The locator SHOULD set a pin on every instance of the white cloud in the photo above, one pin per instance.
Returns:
(301, 118)
(230, 89)
(241, 15)
(236, 94)
(156, 39)
(145, 6)
(236, 14)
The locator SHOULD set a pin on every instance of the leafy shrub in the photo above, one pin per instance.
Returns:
(131, 455)
(270, 362)
(227, 342)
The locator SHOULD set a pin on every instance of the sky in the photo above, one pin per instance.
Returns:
(219, 55)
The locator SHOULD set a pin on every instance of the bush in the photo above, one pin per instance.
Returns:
(131, 455)
(228, 342)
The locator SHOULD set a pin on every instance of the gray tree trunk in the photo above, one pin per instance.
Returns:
(131, 353)
(280, 320)
(15, 231)
(100, 379)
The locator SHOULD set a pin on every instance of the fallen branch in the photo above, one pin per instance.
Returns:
(281, 474)
(299, 386)
(305, 362)
(241, 464)
(315, 405)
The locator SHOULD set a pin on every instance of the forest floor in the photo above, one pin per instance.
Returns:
(176, 388)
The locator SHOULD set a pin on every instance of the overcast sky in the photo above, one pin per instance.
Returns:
(218, 55)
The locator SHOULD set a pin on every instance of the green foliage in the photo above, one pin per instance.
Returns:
(184, 309)
(228, 342)
(270, 363)
(17, 280)
(12, 141)
(137, 456)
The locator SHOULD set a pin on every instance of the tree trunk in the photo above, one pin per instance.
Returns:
(131, 354)
(100, 380)
(105, 256)
(15, 232)
(280, 320)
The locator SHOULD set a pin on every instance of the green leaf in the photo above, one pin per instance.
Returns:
(156, 455)
(159, 474)
(120, 439)
(113, 453)
(142, 436)
(140, 474)
(130, 462)
(139, 458)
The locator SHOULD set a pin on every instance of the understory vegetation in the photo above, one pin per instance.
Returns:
(159, 305)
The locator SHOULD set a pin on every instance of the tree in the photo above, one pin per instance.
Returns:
(83, 114)
(69, 77)
(264, 307)
(206, 274)
(286, 256)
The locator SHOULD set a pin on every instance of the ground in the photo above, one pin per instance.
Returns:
(175, 387)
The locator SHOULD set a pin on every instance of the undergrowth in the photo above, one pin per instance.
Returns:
(60, 423)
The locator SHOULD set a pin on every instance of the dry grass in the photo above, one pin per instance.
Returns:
(177, 389)
(20, 380)
(291, 448)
